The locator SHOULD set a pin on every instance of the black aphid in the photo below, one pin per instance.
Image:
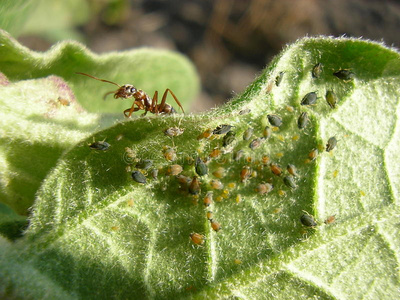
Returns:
(138, 177)
(256, 143)
(201, 167)
(289, 181)
(308, 221)
(238, 155)
(144, 164)
(331, 144)
(222, 129)
(248, 133)
(278, 78)
(345, 75)
(317, 70)
(275, 120)
(99, 145)
(309, 99)
(228, 138)
(303, 120)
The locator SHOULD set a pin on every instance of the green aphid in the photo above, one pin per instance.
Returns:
(289, 181)
(317, 70)
(308, 220)
(247, 134)
(275, 120)
(267, 132)
(331, 99)
(138, 177)
(303, 120)
(201, 167)
(331, 144)
(99, 145)
(228, 138)
(345, 75)
(144, 164)
(278, 78)
(309, 99)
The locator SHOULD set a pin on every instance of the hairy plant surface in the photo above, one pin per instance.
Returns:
(211, 211)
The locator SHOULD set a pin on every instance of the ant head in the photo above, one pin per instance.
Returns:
(125, 91)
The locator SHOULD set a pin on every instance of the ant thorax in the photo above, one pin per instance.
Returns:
(125, 91)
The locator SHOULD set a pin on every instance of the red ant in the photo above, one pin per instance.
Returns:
(142, 100)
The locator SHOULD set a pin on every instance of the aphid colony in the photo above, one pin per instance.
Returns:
(222, 166)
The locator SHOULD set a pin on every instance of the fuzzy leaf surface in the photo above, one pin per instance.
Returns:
(96, 232)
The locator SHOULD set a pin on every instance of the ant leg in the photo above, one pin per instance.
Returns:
(133, 109)
(154, 102)
(164, 99)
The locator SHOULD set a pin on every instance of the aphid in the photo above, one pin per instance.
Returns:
(237, 261)
(244, 111)
(317, 70)
(278, 78)
(238, 198)
(275, 120)
(206, 134)
(174, 131)
(210, 215)
(173, 170)
(330, 220)
(215, 153)
(264, 188)
(264, 160)
(331, 144)
(247, 134)
(144, 164)
(63, 101)
(256, 143)
(331, 99)
(277, 210)
(228, 138)
(292, 170)
(279, 154)
(222, 129)
(245, 173)
(345, 75)
(197, 238)
(169, 154)
(231, 185)
(216, 184)
(267, 132)
(154, 173)
(142, 100)
(309, 99)
(138, 177)
(290, 108)
(289, 181)
(215, 225)
(313, 154)
(308, 220)
(130, 202)
(238, 155)
(303, 120)
(184, 180)
(200, 167)
(194, 187)
(276, 169)
(281, 193)
(208, 199)
(99, 145)
(219, 172)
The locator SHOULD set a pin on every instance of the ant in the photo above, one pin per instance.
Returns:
(142, 100)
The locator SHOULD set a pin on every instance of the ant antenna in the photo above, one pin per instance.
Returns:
(80, 73)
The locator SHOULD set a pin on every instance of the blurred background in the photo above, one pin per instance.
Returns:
(229, 41)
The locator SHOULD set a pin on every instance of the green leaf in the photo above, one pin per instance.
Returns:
(48, 18)
(39, 120)
(97, 233)
(146, 68)
(12, 225)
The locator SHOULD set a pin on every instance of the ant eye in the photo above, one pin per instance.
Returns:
(132, 90)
